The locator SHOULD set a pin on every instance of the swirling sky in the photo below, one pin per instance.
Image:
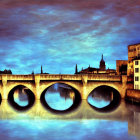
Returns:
(58, 34)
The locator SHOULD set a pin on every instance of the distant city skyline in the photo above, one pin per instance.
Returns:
(59, 34)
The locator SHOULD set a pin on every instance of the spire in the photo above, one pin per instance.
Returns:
(76, 69)
(41, 70)
(102, 58)
(32, 72)
(102, 64)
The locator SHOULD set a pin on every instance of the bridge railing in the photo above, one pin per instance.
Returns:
(18, 77)
(101, 77)
(60, 77)
(93, 77)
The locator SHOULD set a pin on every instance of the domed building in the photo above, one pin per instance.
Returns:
(100, 70)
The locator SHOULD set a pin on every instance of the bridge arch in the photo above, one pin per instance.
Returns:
(30, 97)
(92, 86)
(105, 90)
(14, 85)
(73, 85)
(76, 100)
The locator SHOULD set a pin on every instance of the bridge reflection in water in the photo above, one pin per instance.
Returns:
(20, 97)
(59, 96)
(85, 112)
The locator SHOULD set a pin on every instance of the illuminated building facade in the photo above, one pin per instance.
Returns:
(133, 53)
(132, 66)
(136, 64)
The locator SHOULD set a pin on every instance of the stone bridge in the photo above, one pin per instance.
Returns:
(83, 83)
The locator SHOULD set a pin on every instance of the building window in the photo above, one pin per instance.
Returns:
(136, 69)
(136, 78)
(136, 62)
(136, 86)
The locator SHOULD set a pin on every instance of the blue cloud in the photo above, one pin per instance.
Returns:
(59, 36)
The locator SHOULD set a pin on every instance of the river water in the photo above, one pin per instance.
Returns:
(85, 122)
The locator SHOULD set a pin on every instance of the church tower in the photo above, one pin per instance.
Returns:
(102, 64)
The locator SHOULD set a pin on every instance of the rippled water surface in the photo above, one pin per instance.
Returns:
(65, 130)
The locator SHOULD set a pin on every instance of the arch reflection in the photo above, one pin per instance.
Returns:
(104, 99)
(60, 98)
(21, 98)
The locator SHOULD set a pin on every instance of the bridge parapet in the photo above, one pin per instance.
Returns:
(59, 77)
(77, 77)
(17, 77)
(96, 77)
(101, 77)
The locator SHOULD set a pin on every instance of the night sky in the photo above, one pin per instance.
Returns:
(59, 34)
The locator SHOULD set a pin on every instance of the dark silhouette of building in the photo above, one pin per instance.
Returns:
(76, 69)
(102, 64)
(41, 70)
(89, 70)
(6, 72)
(100, 70)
